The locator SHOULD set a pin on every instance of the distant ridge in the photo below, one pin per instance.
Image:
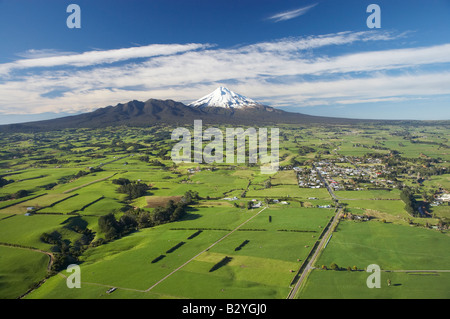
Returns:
(220, 107)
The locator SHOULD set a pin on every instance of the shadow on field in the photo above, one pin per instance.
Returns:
(190, 215)
(221, 263)
(74, 223)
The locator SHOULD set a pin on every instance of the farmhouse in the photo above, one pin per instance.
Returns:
(231, 199)
(443, 198)
(257, 205)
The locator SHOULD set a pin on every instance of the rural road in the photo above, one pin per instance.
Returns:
(321, 245)
(311, 262)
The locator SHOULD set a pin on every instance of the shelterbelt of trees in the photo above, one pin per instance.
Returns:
(407, 196)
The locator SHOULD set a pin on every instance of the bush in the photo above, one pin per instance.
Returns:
(334, 266)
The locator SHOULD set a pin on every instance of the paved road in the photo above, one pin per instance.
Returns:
(321, 245)
(311, 262)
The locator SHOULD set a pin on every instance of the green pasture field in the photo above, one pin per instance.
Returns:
(33, 179)
(285, 178)
(410, 150)
(438, 181)
(329, 284)
(392, 207)
(72, 204)
(274, 250)
(441, 211)
(37, 202)
(32, 227)
(288, 191)
(101, 198)
(243, 278)
(368, 194)
(388, 210)
(263, 268)
(392, 247)
(20, 269)
(216, 184)
(26, 230)
(84, 180)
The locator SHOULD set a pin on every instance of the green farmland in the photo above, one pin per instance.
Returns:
(113, 202)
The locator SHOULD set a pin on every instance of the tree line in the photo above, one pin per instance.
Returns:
(407, 196)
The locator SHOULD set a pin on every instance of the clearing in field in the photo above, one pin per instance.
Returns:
(161, 201)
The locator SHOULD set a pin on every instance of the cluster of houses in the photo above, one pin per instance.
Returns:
(308, 178)
(197, 169)
(350, 216)
(441, 199)
(257, 203)
(339, 177)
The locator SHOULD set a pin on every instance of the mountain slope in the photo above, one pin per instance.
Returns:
(220, 107)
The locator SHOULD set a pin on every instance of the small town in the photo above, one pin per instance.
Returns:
(344, 174)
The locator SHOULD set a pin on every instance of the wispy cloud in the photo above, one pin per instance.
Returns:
(285, 72)
(49, 58)
(287, 15)
(42, 53)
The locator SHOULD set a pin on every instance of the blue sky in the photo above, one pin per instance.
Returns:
(315, 57)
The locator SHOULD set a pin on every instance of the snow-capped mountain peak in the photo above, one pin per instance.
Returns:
(223, 97)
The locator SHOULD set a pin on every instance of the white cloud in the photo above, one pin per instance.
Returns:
(96, 57)
(42, 53)
(287, 15)
(287, 72)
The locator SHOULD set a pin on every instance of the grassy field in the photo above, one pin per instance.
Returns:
(68, 179)
(392, 247)
(388, 245)
(20, 269)
(330, 284)
(263, 268)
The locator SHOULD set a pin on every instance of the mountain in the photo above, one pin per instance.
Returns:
(220, 107)
(223, 97)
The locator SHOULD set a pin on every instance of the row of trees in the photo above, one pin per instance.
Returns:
(68, 178)
(4, 181)
(19, 194)
(334, 266)
(146, 159)
(407, 196)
